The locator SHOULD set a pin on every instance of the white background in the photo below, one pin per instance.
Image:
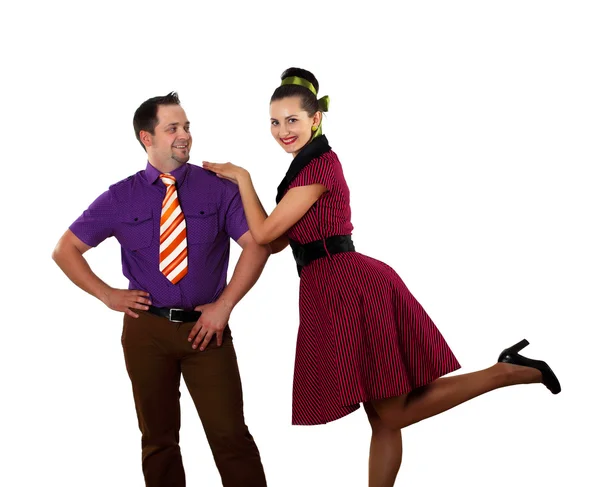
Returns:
(468, 131)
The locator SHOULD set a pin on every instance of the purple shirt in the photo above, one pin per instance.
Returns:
(130, 211)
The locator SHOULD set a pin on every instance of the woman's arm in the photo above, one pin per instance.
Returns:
(279, 244)
(269, 229)
(266, 229)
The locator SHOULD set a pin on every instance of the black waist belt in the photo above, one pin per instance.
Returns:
(176, 315)
(304, 254)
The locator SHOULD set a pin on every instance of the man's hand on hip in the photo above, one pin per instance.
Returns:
(213, 321)
(124, 299)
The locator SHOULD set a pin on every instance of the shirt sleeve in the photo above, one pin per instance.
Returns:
(318, 171)
(235, 218)
(96, 223)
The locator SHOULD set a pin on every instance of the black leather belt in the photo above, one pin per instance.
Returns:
(176, 315)
(304, 254)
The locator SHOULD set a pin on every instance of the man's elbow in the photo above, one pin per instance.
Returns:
(67, 245)
(57, 251)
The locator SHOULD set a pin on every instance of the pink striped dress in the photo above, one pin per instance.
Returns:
(362, 335)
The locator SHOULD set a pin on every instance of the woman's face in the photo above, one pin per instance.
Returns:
(291, 125)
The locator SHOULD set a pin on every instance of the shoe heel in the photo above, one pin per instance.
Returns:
(509, 354)
(517, 347)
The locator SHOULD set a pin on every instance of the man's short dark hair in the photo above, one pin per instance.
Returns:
(145, 116)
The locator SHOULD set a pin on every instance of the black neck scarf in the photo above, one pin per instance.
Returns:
(309, 152)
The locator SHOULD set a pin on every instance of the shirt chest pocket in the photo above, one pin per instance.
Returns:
(202, 223)
(136, 229)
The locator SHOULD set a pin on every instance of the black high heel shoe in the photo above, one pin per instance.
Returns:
(511, 356)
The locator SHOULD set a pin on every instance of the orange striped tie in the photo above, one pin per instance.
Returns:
(173, 242)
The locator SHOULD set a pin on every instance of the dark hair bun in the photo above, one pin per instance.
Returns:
(301, 73)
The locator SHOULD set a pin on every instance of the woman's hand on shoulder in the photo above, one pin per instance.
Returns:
(226, 170)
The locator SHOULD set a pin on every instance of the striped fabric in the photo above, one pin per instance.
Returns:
(173, 261)
(362, 334)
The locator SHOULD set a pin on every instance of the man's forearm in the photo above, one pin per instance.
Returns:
(247, 271)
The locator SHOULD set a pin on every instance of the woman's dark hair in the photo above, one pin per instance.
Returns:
(308, 98)
(145, 116)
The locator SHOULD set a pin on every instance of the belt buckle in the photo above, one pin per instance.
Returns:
(171, 315)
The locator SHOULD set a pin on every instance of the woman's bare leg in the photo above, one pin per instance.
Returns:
(448, 392)
(385, 455)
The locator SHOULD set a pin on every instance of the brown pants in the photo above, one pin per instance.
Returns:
(157, 353)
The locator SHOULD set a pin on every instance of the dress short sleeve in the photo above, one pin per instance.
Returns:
(318, 171)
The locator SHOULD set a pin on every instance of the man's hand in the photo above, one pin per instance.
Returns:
(124, 299)
(213, 321)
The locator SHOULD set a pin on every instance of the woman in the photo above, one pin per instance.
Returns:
(363, 337)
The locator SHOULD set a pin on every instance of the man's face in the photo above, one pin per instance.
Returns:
(172, 139)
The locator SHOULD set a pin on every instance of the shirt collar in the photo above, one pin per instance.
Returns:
(152, 174)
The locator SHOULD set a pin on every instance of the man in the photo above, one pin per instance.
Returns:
(173, 221)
